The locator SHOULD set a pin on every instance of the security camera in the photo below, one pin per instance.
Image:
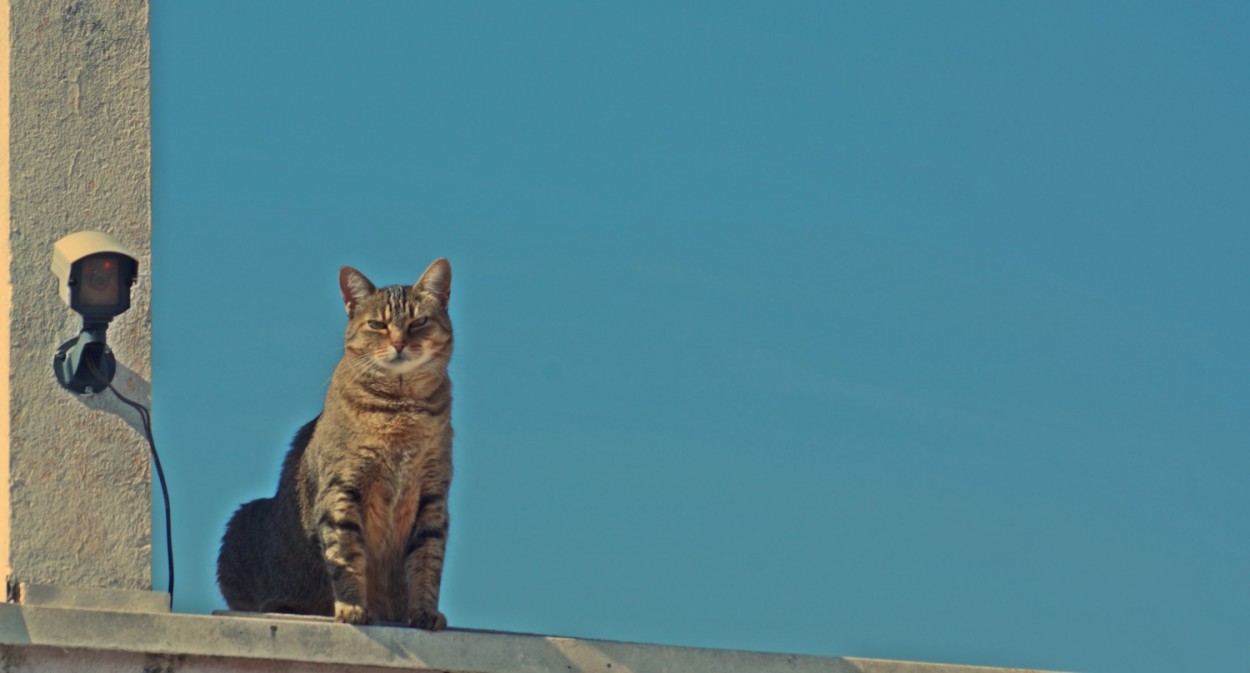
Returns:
(94, 272)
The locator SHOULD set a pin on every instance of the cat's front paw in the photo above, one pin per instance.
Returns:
(346, 613)
(429, 619)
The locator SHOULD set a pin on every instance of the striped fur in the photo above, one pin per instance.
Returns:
(358, 526)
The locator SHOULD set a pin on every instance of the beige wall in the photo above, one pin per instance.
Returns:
(77, 137)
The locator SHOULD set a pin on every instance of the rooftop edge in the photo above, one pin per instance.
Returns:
(312, 644)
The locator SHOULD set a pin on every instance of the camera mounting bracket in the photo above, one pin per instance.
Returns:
(85, 364)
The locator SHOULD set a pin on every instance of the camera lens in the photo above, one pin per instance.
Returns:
(99, 281)
(101, 287)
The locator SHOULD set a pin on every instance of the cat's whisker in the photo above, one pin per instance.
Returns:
(358, 368)
(354, 367)
(355, 364)
(438, 361)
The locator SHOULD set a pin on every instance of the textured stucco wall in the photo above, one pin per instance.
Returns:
(79, 140)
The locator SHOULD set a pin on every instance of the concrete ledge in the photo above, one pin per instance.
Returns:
(91, 598)
(47, 638)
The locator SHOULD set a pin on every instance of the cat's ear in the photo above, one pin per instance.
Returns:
(437, 280)
(354, 287)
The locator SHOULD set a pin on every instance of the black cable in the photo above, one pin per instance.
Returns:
(146, 417)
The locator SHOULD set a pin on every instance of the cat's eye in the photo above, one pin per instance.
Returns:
(417, 324)
(377, 324)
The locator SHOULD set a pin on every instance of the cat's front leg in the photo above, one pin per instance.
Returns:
(423, 560)
(340, 530)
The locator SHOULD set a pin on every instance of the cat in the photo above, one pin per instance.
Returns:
(358, 526)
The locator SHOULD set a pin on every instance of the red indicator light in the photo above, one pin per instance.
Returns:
(108, 265)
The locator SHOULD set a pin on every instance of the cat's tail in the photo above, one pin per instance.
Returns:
(241, 563)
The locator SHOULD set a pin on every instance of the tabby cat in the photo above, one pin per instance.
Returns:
(358, 526)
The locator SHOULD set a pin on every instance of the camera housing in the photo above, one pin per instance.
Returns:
(94, 274)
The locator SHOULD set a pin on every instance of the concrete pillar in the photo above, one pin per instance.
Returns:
(75, 503)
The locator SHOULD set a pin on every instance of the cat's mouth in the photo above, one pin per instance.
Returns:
(400, 360)
(403, 361)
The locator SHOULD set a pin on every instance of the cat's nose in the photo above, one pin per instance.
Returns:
(399, 347)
